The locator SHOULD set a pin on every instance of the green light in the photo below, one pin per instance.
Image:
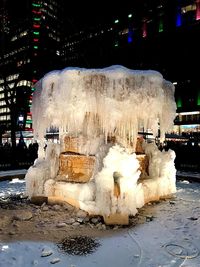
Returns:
(116, 44)
(130, 16)
(30, 106)
(198, 99)
(161, 28)
(28, 121)
(33, 89)
(35, 47)
(179, 102)
(36, 19)
(36, 5)
(36, 33)
(116, 21)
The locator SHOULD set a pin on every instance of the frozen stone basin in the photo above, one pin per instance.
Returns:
(95, 165)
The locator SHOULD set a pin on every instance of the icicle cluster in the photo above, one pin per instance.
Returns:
(113, 101)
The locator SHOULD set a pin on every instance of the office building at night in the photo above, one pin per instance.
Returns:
(38, 36)
(30, 40)
(161, 35)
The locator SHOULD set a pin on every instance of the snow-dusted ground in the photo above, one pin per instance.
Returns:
(168, 236)
(14, 187)
(188, 174)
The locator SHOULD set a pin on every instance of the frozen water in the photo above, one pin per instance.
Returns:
(113, 101)
(96, 105)
(12, 188)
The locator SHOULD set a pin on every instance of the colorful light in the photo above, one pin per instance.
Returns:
(35, 40)
(35, 47)
(130, 36)
(36, 12)
(198, 10)
(178, 17)
(198, 99)
(36, 5)
(36, 33)
(160, 29)
(179, 102)
(36, 26)
(36, 19)
(144, 29)
(116, 44)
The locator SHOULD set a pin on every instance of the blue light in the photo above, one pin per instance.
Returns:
(130, 39)
(178, 20)
(178, 17)
(130, 36)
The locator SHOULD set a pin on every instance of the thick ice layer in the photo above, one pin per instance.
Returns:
(119, 167)
(113, 101)
(99, 113)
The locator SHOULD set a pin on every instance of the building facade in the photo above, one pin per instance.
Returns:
(37, 36)
(30, 39)
(161, 35)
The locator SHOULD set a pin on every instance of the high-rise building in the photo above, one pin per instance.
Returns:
(37, 36)
(30, 39)
(161, 35)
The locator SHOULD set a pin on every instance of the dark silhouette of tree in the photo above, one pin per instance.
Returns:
(14, 98)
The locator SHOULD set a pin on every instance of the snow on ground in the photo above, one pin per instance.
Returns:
(188, 174)
(168, 236)
(14, 187)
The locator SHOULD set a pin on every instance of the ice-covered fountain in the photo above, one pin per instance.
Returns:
(101, 164)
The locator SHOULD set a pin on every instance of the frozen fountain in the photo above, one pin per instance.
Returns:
(101, 164)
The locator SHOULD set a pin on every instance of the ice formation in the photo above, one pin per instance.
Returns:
(99, 113)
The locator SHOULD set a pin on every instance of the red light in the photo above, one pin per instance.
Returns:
(198, 10)
(144, 29)
(34, 80)
(37, 12)
(35, 40)
(36, 26)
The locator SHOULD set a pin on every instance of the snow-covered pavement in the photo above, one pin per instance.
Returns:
(168, 236)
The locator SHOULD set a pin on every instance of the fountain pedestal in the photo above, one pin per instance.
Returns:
(76, 168)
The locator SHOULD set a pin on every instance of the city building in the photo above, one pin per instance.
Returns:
(160, 35)
(30, 39)
(37, 36)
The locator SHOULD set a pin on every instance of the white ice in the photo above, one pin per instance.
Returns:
(95, 104)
